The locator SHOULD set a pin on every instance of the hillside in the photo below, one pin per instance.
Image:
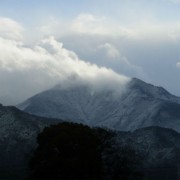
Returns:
(141, 105)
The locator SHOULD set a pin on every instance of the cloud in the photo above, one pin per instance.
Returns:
(144, 47)
(111, 51)
(135, 51)
(53, 26)
(84, 23)
(173, 1)
(112, 57)
(145, 33)
(10, 29)
(141, 28)
(26, 70)
(178, 64)
(89, 24)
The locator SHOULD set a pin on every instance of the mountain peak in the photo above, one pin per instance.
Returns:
(148, 89)
(140, 105)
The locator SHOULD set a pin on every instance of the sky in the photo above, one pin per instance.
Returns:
(46, 42)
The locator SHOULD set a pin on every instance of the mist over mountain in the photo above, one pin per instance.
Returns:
(32, 69)
(132, 115)
(140, 105)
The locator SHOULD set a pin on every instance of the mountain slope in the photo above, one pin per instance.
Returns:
(158, 145)
(140, 105)
(159, 149)
(18, 132)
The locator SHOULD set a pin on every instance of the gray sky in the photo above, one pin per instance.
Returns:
(43, 43)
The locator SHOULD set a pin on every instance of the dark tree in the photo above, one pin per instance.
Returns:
(120, 161)
(67, 151)
(70, 151)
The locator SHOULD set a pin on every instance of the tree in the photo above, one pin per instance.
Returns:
(74, 151)
(67, 151)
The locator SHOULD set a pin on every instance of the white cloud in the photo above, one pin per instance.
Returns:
(83, 24)
(25, 70)
(89, 24)
(126, 48)
(144, 42)
(114, 58)
(173, 1)
(110, 50)
(53, 26)
(178, 64)
(143, 28)
(10, 29)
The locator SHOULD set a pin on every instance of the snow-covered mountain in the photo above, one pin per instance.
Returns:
(159, 149)
(18, 133)
(140, 105)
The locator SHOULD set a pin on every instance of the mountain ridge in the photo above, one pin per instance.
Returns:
(19, 130)
(140, 105)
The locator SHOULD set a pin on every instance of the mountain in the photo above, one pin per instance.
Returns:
(159, 149)
(18, 132)
(157, 145)
(153, 152)
(140, 105)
